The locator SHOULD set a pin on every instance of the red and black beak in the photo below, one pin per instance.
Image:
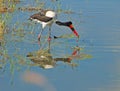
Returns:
(73, 30)
(70, 25)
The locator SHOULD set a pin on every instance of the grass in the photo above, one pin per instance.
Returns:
(7, 6)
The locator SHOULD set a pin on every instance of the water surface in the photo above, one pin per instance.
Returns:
(98, 25)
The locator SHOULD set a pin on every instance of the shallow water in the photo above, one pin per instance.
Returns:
(98, 25)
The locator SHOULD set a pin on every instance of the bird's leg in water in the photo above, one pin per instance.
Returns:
(39, 37)
(77, 45)
(49, 38)
(77, 41)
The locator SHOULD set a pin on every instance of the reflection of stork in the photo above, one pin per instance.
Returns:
(45, 60)
(44, 17)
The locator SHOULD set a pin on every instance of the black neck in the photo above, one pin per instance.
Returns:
(64, 23)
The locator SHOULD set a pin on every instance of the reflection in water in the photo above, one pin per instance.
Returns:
(38, 79)
(45, 60)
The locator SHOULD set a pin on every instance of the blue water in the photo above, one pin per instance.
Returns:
(98, 25)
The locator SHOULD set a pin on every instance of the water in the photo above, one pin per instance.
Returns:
(98, 25)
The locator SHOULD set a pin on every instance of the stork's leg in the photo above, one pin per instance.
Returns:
(49, 38)
(78, 41)
(39, 37)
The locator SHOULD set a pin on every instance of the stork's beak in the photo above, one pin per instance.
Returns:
(73, 30)
(70, 25)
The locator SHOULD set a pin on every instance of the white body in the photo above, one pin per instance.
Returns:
(48, 14)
